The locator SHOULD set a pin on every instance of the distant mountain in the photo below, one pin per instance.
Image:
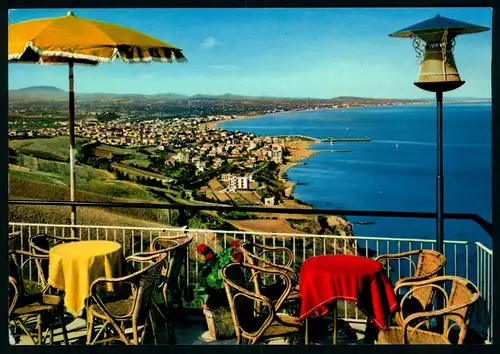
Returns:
(45, 93)
(50, 93)
(226, 96)
(40, 93)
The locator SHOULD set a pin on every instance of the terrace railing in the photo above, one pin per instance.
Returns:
(469, 260)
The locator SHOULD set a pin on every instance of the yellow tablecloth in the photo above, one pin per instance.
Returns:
(74, 266)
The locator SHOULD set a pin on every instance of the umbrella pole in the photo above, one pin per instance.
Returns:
(72, 178)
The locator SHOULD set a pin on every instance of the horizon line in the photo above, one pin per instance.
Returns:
(247, 95)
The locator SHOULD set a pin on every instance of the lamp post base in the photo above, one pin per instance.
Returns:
(443, 86)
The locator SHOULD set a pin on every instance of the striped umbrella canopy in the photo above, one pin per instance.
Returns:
(66, 39)
(73, 40)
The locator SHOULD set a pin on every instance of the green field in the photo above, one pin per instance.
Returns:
(104, 150)
(50, 149)
(136, 171)
(62, 169)
(42, 170)
(138, 162)
(117, 189)
(37, 176)
(21, 187)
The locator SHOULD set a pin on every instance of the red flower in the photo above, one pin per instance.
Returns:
(208, 256)
(234, 244)
(202, 248)
(237, 256)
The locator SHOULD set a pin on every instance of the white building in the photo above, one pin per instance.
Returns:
(200, 166)
(239, 183)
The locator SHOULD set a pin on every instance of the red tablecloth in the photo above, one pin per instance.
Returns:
(324, 279)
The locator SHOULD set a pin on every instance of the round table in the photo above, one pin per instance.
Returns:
(74, 266)
(325, 279)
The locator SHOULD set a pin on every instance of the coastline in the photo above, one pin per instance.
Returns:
(213, 125)
(299, 151)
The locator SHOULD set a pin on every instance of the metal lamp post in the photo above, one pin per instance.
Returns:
(435, 40)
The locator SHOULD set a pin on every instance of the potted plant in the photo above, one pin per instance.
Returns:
(210, 291)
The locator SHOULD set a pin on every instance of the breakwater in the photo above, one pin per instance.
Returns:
(333, 140)
(332, 150)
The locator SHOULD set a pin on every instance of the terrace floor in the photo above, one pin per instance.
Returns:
(195, 332)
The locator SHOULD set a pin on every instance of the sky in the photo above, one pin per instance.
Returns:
(317, 53)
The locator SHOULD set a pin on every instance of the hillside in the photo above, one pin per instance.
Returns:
(39, 169)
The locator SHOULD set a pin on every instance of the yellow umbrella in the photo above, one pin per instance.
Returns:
(72, 40)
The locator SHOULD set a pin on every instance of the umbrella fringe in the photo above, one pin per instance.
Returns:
(116, 54)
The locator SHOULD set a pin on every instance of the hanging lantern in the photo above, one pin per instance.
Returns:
(434, 41)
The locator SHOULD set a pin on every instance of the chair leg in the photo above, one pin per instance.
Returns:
(153, 327)
(168, 319)
(63, 325)
(370, 332)
(39, 329)
(135, 334)
(180, 306)
(157, 308)
(90, 327)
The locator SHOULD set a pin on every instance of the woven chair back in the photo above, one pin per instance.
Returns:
(428, 266)
(149, 280)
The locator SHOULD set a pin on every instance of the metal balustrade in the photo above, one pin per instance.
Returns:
(469, 260)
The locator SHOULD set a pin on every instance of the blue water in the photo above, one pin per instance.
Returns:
(376, 176)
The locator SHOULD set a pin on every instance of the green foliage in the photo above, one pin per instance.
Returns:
(237, 215)
(211, 283)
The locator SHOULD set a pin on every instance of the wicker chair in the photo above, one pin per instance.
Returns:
(39, 306)
(429, 264)
(456, 313)
(254, 254)
(117, 312)
(176, 250)
(42, 243)
(14, 240)
(257, 325)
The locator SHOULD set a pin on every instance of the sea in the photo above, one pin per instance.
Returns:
(396, 170)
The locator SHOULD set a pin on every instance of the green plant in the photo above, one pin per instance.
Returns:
(210, 288)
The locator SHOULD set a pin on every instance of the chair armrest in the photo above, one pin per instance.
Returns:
(268, 270)
(267, 249)
(425, 316)
(254, 296)
(14, 285)
(176, 240)
(143, 257)
(129, 279)
(410, 282)
(132, 279)
(57, 238)
(29, 254)
(51, 300)
(294, 277)
(396, 255)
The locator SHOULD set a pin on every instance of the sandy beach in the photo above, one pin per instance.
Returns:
(299, 151)
(213, 125)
